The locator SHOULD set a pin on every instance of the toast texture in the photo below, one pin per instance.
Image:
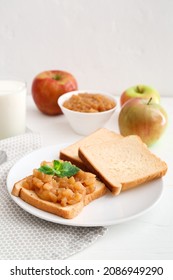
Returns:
(70, 153)
(67, 212)
(123, 164)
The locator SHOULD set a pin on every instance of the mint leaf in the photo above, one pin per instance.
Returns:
(46, 169)
(60, 169)
(68, 169)
(57, 164)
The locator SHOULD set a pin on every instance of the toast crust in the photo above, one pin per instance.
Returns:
(133, 184)
(130, 161)
(67, 212)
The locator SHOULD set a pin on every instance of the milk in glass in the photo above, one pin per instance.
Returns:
(12, 108)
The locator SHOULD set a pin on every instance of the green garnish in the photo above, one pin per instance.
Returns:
(60, 169)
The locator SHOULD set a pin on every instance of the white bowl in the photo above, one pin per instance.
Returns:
(85, 123)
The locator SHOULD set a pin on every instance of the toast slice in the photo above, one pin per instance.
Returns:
(123, 164)
(70, 153)
(67, 212)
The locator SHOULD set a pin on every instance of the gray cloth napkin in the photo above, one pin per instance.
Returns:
(24, 236)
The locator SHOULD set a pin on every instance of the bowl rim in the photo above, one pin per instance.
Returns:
(75, 92)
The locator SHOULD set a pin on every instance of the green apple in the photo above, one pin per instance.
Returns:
(143, 118)
(140, 91)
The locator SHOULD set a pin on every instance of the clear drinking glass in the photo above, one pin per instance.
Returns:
(12, 107)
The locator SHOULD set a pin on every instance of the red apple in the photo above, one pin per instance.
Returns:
(140, 91)
(143, 118)
(48, 86)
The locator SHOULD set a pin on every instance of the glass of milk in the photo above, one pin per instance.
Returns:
(12, 107)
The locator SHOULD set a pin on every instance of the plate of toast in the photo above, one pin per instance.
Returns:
(128, 181)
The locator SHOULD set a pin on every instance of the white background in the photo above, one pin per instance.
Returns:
(107, 44)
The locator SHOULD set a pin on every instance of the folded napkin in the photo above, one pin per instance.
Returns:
(24, 236)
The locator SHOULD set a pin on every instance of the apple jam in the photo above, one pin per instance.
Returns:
(63, 190)
(89, 103)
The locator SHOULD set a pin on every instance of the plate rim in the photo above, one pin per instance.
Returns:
(68, 222)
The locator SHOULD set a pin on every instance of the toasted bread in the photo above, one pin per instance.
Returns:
(70, 153)
(122, 164)
(67, 212)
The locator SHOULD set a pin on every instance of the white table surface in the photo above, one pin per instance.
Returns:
(148, 237)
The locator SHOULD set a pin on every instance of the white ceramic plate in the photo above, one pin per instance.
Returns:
(107, 210)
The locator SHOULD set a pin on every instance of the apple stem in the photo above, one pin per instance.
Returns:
(57, 77)
(139, 89)
(149, 101)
